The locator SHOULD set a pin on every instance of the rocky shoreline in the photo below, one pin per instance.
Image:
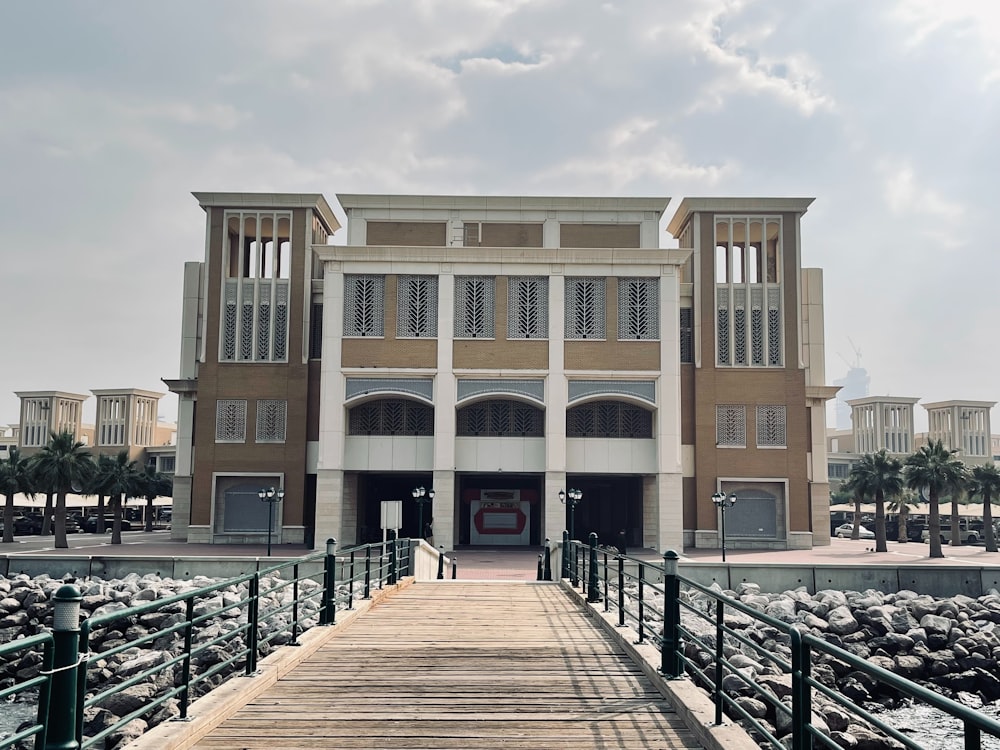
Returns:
(26, 609)
(949, 645)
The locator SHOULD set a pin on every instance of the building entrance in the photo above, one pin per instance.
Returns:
(499, 509)
(610, 506)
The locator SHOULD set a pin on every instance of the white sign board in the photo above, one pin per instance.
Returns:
(392, 516)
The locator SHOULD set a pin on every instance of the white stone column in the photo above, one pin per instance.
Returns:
(445, 396)
(666, 494)
(330, 459)
(556, 402)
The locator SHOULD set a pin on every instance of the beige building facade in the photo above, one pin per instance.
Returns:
(502, 351)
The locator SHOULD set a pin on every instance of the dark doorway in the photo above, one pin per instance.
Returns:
(609, 505)
(374, 488)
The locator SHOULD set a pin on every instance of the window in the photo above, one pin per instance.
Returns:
(474, 307)
(230, 421)
(364, 305)
(609, 419)
(838, 471)
(500, 418)
(730, 426)
(527, 307)
(167, 464)
(391, 416)
(316, 331)
(638, 308)
(111, 417)
(770, 426)
(748, 291)
(585, 308)
(416, 306)
(271, 419)
(687, 335)
(255, 293)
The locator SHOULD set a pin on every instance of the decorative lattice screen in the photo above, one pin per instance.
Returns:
(230, 421)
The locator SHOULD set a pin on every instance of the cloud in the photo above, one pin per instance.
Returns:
(905, 195)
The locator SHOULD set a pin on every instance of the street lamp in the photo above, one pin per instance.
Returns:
(270, 496)
(570, 499)
(422, 497)
(723, 503)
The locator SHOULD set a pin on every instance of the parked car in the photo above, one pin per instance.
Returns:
(846, 530)
(30, 523)
(969, 532)
(90, 523)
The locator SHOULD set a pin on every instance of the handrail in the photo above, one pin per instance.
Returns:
(629, 590)
(207, 634)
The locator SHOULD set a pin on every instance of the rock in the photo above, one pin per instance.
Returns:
(841, 621)
(910, 667)
(129, 699)
(756, 708)
(935, 625)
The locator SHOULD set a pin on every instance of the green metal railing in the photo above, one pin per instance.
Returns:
(664, 608)
(206, 635)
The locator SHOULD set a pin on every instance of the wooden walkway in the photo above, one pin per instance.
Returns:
(462, 665)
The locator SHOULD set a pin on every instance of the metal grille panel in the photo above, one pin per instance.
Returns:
(771, 425)
(364, 305)
(687, 335)
(731, 425)
(272, 417)
(500, 418)
(391, 416)
(246, 323)
(638, 308)
(264, 321)
(527, 307)
(230, 317)
(585, 308)
(609, 419)
(281, 321)
(416, 306)
(475, 302)
(230, 421)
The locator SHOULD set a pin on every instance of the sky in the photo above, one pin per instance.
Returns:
(113, 112)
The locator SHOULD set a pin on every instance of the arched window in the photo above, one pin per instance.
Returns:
(609, 419)
(501, 418)
(391, 416)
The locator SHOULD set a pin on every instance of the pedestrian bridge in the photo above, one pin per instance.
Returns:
(456, 664)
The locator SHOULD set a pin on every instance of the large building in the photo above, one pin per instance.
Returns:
(502, 351)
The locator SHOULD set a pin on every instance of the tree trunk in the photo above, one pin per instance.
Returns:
(956, 530)
(991, 538)
(149, 513)
(904, 513)
(934, 524)
(99, 523)
(60, 521)
(116, 527)
(8, 519)
(880, 545)
(47, 515)
(856, 531)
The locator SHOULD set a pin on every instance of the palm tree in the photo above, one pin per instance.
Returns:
(984, 481)
(15, 477)
(879, 475)
(900, 505)
(853, 486)
(62, 466)
(153, 484)
(935, 467)
(958, 495)
(119, 478)
(99, 485)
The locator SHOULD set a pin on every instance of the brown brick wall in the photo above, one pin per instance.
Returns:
(500, 351)
(407, 233)
(599, 235)
(612, 354)
(511, 235)
(389, 351)
(252, 381)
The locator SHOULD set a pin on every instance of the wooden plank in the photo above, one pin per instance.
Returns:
(447, 666)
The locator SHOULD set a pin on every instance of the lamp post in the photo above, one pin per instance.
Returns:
(723, 502)
(270, 496)
(570, 499)
(422, 497)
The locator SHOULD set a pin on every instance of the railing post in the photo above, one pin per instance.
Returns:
(670, 658)
(392, 556)
(719, 656)
(565, 556)
(801, 693)
(642, 601)
(295, 606)
(547, 567)
(593, 585)
(62, 719)
(454, 567)
(350, 583)
(368, 571)
(539, 572)
(329, 614)
(607, 591)
(253, 615)
(621, 591)
(574, 575)
(186, 663)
